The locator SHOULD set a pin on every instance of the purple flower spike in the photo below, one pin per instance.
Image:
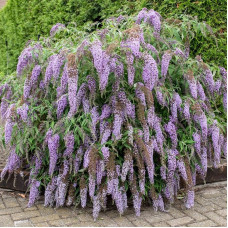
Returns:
(69, 143)
(130, 68)
(218, 84)
(91, 84)
(49, 70)
(201, 119)
(53, 144)
(197, 145)
(133, 45)
(189, 200)
(96, 207)
(95, 120)
(200, 92)
(150, 72)
(35, 74)
(34, 193)
(83, 196)
(61, 105)
(78, 159)
(106, 112)
(137, 200)
(72, 90)
(171, 130)
(57, 64)
(103, 75)
(181, 168)
(105, 152)
(141, 15)
(225, 101)
(160, 97)
(158, 204)
(117, 124)
(26, 58)
(49, 192)
(64, 82)
(13, 162)
(167, 56)
(8, 131)
(208, 78)
(97, 53)
(139, 93)
(216, 146)
(27, 88)
(56, 28)
(23, 112)
(186, 111)
(179, 53)
(153, 19)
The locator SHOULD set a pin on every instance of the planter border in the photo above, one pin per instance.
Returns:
(19, 179)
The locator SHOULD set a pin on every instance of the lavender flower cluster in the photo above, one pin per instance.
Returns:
(119, 117)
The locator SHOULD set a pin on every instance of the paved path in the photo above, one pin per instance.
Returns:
(210, 210)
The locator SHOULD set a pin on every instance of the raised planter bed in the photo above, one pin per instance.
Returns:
(19, 180)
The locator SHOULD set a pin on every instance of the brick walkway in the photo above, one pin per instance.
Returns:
(210, 210)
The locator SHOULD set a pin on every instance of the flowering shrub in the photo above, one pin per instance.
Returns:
(122, 110)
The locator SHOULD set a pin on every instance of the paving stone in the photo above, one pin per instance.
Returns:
(176, 213)
(206, 208)
(112, 214)
(131, 217)
(85, 217)
(25, 215)
(222, 212)
(209, 193)
(209, 210)
(65, 212)
(202, 201)
(180, 221)
(42, 224)
(57, 223)
(68, 221)
(195, 215)
(5, 220)
(161, 224)
(45, 218)
(215, 218)
(11, 202)
(107, 222)
(221, 203)
(104, 220)
(46, 210)
(206, 223)
(22, 223)
(85, 224)
(122, 221)
(33, 208)
(141, 222)
(8, 211)
(159, 218)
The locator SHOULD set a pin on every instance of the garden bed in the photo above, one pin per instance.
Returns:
(19, 180)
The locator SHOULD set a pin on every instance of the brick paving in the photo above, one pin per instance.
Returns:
(210, 210)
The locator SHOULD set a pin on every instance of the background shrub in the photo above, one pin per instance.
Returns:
(23, 20)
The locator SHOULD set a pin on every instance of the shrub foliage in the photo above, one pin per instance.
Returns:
(122, 112)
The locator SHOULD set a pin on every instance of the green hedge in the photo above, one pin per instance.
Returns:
(22, 20)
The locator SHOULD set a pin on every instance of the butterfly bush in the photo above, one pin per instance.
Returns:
(55, 28)
(119, 113)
